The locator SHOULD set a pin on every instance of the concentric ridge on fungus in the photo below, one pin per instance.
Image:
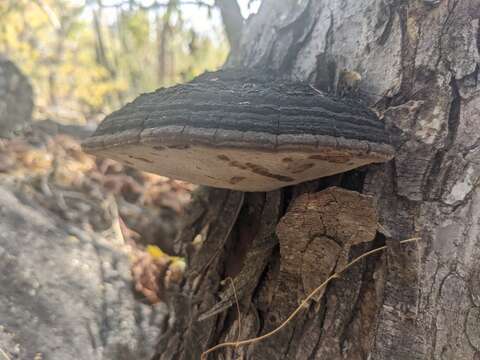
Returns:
(242, 130)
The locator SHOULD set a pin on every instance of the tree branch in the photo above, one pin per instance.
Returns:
(229, 10)
(52, 17)
(232, 20)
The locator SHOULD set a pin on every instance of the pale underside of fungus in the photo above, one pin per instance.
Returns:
(242, 130)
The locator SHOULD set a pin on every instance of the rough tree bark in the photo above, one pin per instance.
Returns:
(419, 63)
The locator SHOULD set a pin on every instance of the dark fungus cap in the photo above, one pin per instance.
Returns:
(242, 130)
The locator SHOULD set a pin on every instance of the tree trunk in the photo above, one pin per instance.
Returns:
(16, 99)
(232, 21)
(419, 66)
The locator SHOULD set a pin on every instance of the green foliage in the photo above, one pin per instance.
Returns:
(137, 26)
(86, 68)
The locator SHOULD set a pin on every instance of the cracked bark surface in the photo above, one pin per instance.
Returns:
(419, 62)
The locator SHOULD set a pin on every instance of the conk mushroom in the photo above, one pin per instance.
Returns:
(242, 130)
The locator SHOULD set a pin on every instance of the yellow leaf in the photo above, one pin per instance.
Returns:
(155, 252)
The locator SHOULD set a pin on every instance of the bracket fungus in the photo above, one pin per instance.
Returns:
(242, 130)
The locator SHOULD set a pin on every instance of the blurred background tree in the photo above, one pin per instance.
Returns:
(88, 57)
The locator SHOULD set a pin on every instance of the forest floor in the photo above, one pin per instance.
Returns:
(131, 215)
(142, 209)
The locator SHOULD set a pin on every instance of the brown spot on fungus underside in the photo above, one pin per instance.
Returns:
(332, 158)
(260, 170)
(236, 179)
(223, 157)
(302, 167)
(140, 159)
(179, 147)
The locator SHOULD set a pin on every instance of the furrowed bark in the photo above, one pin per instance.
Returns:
(419, 64)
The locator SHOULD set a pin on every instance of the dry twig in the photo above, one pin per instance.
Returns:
(238, 308)
(4, 354)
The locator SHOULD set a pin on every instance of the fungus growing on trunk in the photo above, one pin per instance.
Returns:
(242, 130)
